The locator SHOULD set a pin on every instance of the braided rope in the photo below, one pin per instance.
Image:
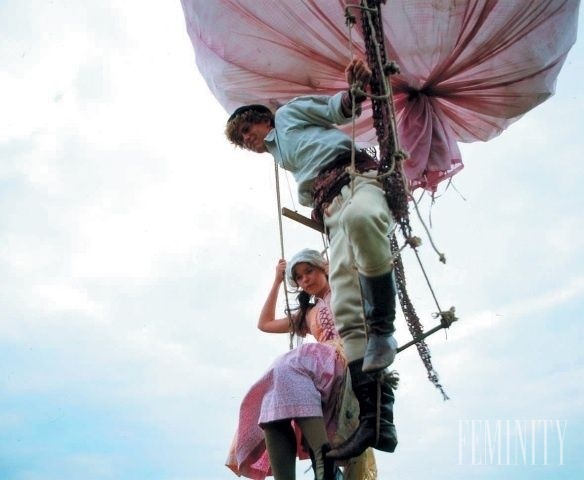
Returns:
(390, 171)
(414, 325)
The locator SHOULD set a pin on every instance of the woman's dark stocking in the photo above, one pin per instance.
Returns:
(281, 446)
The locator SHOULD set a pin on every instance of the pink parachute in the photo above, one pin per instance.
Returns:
(469, 68)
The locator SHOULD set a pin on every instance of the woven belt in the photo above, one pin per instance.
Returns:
(331, 179)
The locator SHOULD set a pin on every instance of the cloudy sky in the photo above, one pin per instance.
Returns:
(136, 248)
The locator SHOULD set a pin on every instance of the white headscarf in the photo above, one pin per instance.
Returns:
(304, 256)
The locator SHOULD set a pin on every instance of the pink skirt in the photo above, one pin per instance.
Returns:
(304, 382)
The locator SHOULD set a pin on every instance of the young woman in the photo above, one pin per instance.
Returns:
(291, 411)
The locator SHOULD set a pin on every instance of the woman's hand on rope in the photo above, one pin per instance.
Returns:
(267, 321)
(280, 271)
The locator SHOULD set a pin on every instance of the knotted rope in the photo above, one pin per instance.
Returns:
(390, 171)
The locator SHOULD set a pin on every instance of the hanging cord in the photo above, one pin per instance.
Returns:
(441, 256)
(279, 205)
(350, 21)
(290, 191)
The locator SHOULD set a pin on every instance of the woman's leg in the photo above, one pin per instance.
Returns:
(281, 446)
(314, 431)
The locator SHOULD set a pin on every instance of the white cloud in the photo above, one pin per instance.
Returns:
(63, 297)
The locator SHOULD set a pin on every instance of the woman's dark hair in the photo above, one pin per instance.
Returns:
(305, 302)
(299, 317)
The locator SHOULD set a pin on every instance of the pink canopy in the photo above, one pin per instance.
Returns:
(468, 68)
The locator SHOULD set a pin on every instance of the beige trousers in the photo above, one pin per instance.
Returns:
(359, 224)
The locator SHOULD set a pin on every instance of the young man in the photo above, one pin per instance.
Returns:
(302, 138)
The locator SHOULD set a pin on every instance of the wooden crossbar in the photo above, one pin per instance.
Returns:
(309, 222)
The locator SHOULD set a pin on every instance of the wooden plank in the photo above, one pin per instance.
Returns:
(309, 222)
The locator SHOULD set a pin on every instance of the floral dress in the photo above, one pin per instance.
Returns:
(304, 382)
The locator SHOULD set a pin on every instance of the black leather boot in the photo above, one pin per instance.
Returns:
(378, 295)
(374, 393)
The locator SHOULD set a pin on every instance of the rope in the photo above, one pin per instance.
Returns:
(290, 191)
(281, 230)
(386, 94)
(427, 279)
(390, 171)
(441, 256)
(378, 409)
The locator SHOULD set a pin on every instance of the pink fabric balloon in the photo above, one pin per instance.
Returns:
(468, 69)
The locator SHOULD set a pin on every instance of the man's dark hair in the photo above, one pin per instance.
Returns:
(247, 113)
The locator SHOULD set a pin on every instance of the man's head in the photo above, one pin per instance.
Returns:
(248, 126)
